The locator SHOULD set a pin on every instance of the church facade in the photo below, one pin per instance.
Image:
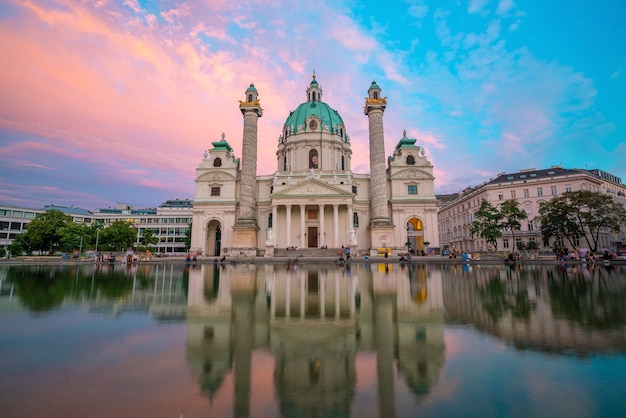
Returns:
(314, 199)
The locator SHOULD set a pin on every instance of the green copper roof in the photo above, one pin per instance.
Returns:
(374, 86)
(406, 143)
(221, 145)
(252, 88)
(325, 113)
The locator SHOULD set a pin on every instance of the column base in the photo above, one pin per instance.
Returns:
(381, 236)
(244, 241)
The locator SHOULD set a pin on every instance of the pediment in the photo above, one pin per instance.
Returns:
(215, 175)
(412, 173)
(312, 188)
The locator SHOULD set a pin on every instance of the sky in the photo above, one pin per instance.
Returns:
(105, 102)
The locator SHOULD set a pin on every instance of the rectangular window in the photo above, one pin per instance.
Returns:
(505, 243)
(354, 189)
(568, 187)
(539, 191)
(215, 191)
(412, 189)
(526, 193)
(18, 213)
(553, 190)
(518, 242)
(513, 194)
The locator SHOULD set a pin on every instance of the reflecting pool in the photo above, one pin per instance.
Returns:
(362, 340)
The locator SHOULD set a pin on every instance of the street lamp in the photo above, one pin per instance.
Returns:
(80, 246)
(137, 222)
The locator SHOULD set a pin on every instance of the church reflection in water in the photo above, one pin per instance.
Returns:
(315, 320)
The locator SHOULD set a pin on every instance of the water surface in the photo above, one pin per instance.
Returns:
(365, 340)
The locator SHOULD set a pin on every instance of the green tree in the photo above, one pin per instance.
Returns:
(21, 244)
(556, 218)
(149, 239)
(73, 236)
(119, 235)
(581, 214)
(43, 231)
(487, 223)
(512, 216)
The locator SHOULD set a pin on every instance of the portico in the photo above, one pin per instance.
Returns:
(309, 225)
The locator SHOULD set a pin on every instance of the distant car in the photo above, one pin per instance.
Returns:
(621, 255)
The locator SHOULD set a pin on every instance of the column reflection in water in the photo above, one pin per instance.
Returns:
(315, 321)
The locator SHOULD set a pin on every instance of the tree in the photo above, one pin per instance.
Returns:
(581, 214)
(512, 216)
(487, 223)
(73, 236)
(556, 218)
(43, 231)
(119, 235)
(148, 238)
(21, 244)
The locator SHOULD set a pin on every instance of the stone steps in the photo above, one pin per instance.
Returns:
(307, 252)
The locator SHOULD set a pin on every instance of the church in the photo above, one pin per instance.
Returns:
(314, 200)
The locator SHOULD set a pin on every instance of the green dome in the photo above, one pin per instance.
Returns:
(326, 114)
(374, 86)
(251, 88)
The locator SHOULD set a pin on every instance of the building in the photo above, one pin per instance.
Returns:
(314, 199)
(530, 188)
(169, 221)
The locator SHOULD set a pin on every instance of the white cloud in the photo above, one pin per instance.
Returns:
(504, 6)
(477, 6)
(418, 9)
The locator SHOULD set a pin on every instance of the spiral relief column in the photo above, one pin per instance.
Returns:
(381, 227)
(246, 224)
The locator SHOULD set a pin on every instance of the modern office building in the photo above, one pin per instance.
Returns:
(314, 199)
(530, 188)
(169, 221)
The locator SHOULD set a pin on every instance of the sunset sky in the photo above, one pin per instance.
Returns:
(105, 101)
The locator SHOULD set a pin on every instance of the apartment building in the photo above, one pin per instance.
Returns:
(530, 188)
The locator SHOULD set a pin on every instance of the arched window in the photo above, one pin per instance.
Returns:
(270, 219)
(410, 160)
(313, 95)
(313, 159)
(355, 220)
(217, 162)
(375, 95)
(343, 163)
(284, 163)
(249, 97)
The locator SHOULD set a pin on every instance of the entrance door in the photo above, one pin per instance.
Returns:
(312, 234)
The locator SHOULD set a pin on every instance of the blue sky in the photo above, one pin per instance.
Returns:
(116, 101)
